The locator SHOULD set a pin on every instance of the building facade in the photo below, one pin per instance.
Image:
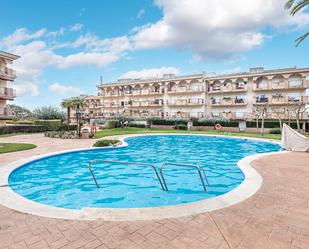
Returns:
(6, 93)
(236, 96)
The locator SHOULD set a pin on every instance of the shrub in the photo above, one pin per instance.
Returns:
(61, 134)
(113, 123)
(65, 127)
(180, 127)
(275, 131)
(106, 142)
(137, 125)
(50, 125)
(9, 129)
(160, 121)
(24, 122)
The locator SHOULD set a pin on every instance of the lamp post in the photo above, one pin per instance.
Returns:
(78, 115)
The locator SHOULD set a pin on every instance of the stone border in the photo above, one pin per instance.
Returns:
(246, 189)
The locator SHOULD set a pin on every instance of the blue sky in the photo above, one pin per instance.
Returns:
(65, 46)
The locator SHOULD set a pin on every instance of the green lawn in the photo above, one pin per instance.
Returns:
(133, 130)
(11, 147)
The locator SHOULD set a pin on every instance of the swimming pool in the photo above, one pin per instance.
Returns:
(64, 180)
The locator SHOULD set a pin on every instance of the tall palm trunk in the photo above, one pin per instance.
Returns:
(68, 114)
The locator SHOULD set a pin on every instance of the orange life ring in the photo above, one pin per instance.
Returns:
(218, 126)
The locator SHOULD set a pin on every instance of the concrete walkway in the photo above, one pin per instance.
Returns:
(277, 216)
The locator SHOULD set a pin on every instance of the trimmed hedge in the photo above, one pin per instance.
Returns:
(137, 125)
(169, 121)
(180, 127)
(50, 125)
(8, 129)
(268, 124)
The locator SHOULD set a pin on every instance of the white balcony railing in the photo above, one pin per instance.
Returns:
(7, 93)
(7, 72)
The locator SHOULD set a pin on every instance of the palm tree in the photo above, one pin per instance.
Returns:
(294, 6)
(72, 103)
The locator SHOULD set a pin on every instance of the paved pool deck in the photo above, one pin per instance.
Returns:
(277, 216)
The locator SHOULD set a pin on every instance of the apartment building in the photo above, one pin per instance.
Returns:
(6, 93)
(230, 96)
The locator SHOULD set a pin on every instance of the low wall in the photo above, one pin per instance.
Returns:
(210, 128)
(162, 127)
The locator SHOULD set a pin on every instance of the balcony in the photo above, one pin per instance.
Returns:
(230, 115)
(144, 104)
(147, 92)
(7, 93)
(280, 100)
(111, 95)
(185, 115)
(6, 113)
(111, 105)
(284, 85)
(227, 89)
(229, 101)
(187, 102)
(186, 90)
(7, 73)
(95, 115)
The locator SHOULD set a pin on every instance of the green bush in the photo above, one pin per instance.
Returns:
(9, 129)
(180, 127)
(24, 122)
(50, 125)
(168, 121)
(113, 124)
(65, 127)
(137, 125)
(275, 131)
(106, 142)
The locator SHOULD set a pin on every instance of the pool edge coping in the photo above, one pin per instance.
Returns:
(250, 185)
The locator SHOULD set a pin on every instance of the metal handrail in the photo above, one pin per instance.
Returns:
(199, 169)
(115, 161)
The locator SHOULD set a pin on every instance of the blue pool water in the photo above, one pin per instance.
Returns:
(65, 181)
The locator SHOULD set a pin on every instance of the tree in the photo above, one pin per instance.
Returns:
(48, 112)
(279, 112)
(297, 109)
(72, 103)
(260, 113)
(20, 112)
(294, 6)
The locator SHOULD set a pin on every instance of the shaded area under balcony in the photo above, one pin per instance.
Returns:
(228, 101)
(227, 89)
(280, 100)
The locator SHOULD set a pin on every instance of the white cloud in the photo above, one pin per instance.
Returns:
(76, 27)
(215, 28)
(150, 73)
(63, 90)
(141, 13)
(38, 51)
(21, 35)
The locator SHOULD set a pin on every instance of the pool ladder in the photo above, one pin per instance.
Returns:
(162, 182)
